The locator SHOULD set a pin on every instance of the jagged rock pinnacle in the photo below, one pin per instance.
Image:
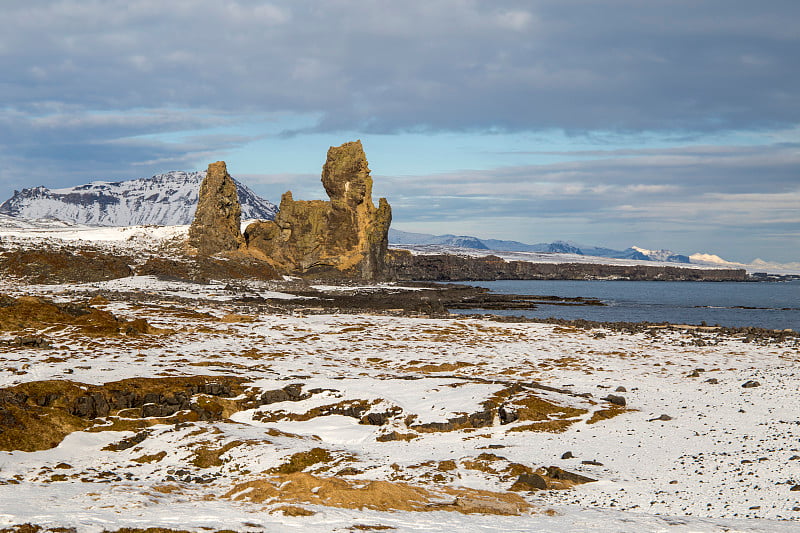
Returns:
(344, 237)
(216, 224)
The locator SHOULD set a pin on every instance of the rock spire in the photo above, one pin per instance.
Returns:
(216, 225)
(344, 237)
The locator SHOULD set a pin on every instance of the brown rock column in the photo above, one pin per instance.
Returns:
(216, 224)
(344, 237)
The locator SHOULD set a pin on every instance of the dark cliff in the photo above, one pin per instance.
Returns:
(405, 266)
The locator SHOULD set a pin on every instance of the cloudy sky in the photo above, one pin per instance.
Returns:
(665, 124)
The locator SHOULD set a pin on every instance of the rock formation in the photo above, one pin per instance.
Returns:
(344, 237)
(216, 224)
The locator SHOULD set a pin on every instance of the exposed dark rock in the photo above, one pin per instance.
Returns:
(530, 482)
(37, 415)
(555, 472)
(567, 455)
(32, 342)
(550, 478)
(507, 414)
(63, 266)
(616, 400)
(441, 267)
(290, 393)
(750, 384)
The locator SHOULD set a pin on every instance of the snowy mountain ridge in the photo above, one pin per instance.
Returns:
(662, 255)
(398, 237)
(164, 199)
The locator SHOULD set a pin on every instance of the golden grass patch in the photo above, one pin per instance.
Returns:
(301, 487)
(152, 458)
(605, 414)
(547, 426)
(206, 457)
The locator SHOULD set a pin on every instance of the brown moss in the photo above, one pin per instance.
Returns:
(605, 414)
(38, 415)
(535, 408)
(28, 313)
(152, 458)
(205, 457)
(293, 510)
(302, 460)
(301, 487)
(59, 266)
(394, 435)
(548, 426)
(440, 367)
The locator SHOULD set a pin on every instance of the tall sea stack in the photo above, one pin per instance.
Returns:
(344, 237)
(216, 224)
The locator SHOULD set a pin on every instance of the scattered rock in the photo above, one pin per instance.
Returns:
(592, 462)
(662, 417)
(712, 381)
(507, 414)
(530, 482)
(32, 342)
(567, 455)
(796, 488)
(616, 400)
(620, 389)
(750, 384)
(550, 478)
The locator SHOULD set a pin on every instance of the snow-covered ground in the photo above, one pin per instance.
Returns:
(725, 458)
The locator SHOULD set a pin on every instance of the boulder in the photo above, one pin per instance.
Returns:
(346, 236)
(216, 225)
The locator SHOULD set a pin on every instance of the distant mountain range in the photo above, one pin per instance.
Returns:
(165, 199)
(561, 247)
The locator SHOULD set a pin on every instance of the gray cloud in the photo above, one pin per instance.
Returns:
(387, 66)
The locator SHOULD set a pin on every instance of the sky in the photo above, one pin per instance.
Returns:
(663, 124)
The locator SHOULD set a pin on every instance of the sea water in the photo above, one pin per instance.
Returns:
(772, 305)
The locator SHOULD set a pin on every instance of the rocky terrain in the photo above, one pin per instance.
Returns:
(266, 405)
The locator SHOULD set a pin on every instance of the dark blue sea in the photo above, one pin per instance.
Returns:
(772, 305)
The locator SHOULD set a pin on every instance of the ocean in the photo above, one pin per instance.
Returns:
(772, 305)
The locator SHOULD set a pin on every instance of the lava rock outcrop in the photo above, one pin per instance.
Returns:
(217, 221)
(346, 236)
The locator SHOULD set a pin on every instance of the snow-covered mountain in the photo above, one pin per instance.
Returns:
(559, 247)
(164, 199)
(663, 255)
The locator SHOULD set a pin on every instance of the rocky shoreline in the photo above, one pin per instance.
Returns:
(404, 265)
